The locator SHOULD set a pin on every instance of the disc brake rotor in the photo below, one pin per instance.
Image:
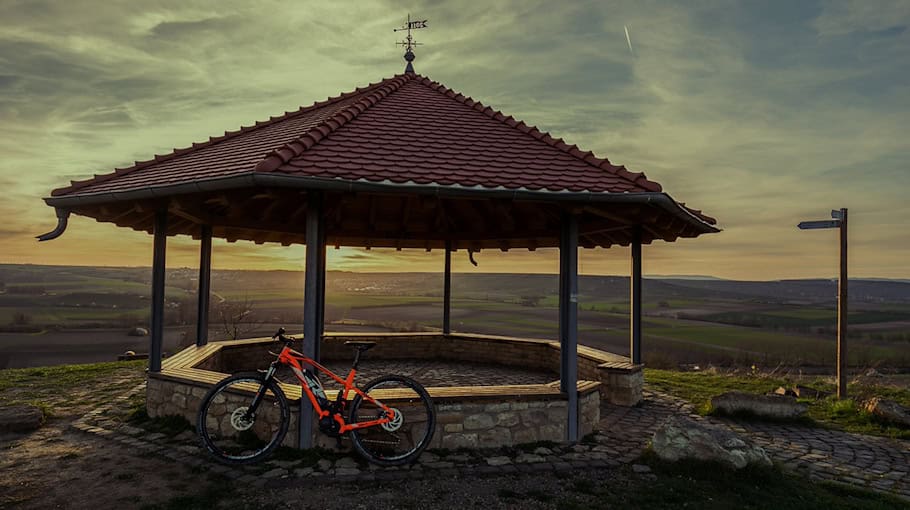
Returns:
(395, 423)
(239, 419)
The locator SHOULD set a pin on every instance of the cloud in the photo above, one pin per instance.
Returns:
(761, 115)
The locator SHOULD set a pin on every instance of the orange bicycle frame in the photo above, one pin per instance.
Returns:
(295, 360)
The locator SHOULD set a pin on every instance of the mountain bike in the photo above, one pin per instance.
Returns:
(246, 416)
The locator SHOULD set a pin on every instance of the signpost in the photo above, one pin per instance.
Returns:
(839, 221)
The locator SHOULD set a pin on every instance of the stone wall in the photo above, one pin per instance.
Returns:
(621, 382)
(466, 423)
(166, 397)
(470, 424)
(622, 387)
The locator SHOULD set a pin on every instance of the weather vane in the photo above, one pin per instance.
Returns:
(409, 42)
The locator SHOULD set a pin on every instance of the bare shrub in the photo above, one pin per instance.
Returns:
(236, 318)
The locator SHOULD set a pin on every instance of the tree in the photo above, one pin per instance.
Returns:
(236, 318)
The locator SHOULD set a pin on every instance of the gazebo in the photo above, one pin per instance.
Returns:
(402, 163)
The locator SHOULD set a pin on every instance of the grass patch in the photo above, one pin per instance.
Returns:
(699, 387)
(691, 484)
(58, 377)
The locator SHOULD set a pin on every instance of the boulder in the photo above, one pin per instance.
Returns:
(889, 411)
(807, 392)
(787, 392)
(682, 438)
(23, 418)
(137, 331)
(771, 406)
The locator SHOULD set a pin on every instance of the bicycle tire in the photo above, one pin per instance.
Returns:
(212, 423)
(419, 439)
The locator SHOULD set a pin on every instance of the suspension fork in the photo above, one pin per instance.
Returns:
(251, 411)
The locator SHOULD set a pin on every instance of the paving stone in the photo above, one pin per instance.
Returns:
(498, 461)
(346, 471)
(347, 463)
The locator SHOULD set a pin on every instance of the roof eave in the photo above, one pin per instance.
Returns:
(253, 179)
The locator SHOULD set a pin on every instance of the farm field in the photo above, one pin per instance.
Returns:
(55, 314)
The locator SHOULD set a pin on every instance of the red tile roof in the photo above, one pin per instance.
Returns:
(405, 129)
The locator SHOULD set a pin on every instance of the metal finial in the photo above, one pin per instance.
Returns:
(409, 42)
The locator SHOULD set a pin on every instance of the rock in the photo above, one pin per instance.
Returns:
(324, 465)
(137, 331)
(773, 406)
(872, 373)
(274, 473)
(640, 468)
(498, 461)
(787, 392)
(428, 457)
(681, 438)
(807, 392)
(543, 450)
(528, 458)
(24, 418)
(346, 463)
(284, 464)
(346, 471)
(888, 410)
(301, 472)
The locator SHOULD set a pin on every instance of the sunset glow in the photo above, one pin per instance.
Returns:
(762, 115)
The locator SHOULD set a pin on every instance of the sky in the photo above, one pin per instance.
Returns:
(762, 114)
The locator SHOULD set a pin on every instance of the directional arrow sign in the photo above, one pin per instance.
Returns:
(810, 225)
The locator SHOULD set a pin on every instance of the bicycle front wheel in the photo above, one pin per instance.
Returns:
(401, 440)
(243, 418)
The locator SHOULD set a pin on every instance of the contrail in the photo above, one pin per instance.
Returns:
(628, 39)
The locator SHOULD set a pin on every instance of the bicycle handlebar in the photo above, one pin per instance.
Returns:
(279, 336)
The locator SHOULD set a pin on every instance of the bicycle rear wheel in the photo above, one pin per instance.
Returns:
(231, 430)
(403, 439)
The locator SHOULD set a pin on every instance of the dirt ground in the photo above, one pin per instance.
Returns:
(55, 467)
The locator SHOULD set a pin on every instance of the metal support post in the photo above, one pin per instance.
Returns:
(156, 338)
(568, 320)
(635, 298)
(205, 286)
(447, 292)
(313, 285)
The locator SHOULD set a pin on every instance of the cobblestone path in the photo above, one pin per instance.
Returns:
(821, 454)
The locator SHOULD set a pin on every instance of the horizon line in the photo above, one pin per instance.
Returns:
(644, 275)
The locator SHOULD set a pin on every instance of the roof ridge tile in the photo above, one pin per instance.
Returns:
(284, 154)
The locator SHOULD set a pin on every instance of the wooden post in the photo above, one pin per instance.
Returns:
(635, 298)
(842, 310)
(156, 338)
(447, 292)
(205, 286)
(313, 282)
(568, 320)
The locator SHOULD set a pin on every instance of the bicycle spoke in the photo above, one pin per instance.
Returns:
(233, 431)
(410, 427)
